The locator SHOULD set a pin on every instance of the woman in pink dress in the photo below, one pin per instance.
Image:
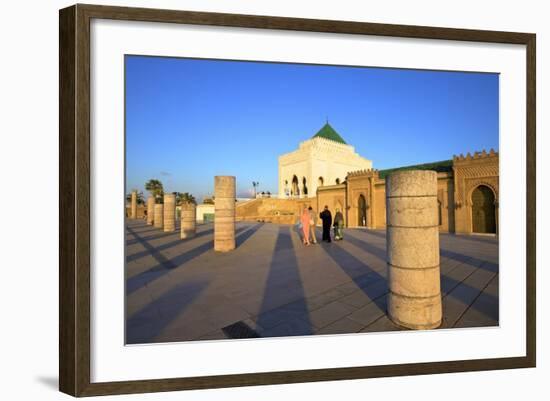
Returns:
(304, 219)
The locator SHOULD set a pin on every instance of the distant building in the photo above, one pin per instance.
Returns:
(467, 194)
(324, 159)
(325, 170)
(205, 212)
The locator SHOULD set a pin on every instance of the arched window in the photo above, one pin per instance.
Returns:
(304, 186)
(295, 191)
(337, 181)
(320, 182)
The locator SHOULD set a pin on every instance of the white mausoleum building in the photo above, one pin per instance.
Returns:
(325, 159)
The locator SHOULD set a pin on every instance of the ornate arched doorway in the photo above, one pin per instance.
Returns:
(304, 186)
(362, 211)
(295, 191)
(483, 210)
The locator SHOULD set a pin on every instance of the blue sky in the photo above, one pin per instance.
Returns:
(188, 120)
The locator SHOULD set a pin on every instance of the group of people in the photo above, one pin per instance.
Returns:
(308, 222)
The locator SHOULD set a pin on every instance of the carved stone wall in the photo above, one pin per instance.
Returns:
(372, 187)
(362, 183)
(333, 196)
(469, 172)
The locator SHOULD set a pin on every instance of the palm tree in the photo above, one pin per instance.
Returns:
(255, 184)
(156, 189)
(185, 197)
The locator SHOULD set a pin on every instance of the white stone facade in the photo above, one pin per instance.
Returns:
(317, 162)
(203, 209)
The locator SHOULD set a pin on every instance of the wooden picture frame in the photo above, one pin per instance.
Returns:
(74, 202)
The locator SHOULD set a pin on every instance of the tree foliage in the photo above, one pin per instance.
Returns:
(185, 197)
(156, 189)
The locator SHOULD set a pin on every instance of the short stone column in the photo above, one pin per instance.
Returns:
(224, 213)
(188, 220)
(169, 213)
(414, 298)
(133, 205)
(158, 218)
(150, 210)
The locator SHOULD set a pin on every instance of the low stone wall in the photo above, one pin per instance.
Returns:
(272, 210)
(283, 219)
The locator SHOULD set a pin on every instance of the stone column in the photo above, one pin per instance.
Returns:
(133, 205)
(158, 215)
(188, 220)
(169, 213)
(224, 213)
(414, 300)
(150, 210)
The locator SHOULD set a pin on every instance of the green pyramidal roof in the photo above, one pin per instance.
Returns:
(328, 132)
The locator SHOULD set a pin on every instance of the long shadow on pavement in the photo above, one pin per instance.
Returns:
(473, 238)
(459, 257)
(376, 233)
(165, 265)
(160, 234)
(471, 260)
(241, 239)
(467, 295)
(461, 291)
(357, 272)
(284, 282)
(144, 325)
(177, 241)
(365, 245)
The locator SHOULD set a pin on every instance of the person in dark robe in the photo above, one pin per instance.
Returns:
(326, 217)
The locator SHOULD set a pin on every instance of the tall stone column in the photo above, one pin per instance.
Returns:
(133, 205)
(150, 210)
(224, 213)
(169, 213)
(414, 300)
(158, 218)
(188, 220)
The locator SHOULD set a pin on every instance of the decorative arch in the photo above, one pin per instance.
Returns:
(476, 184)
(304, 185)
(483, 209)
(320, 181)
(337, 181)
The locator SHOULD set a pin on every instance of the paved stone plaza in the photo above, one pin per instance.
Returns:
(272, 285)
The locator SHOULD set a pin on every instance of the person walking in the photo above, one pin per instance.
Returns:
(312, 224)
(338, 225)
(326, 216)
(304, 219)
